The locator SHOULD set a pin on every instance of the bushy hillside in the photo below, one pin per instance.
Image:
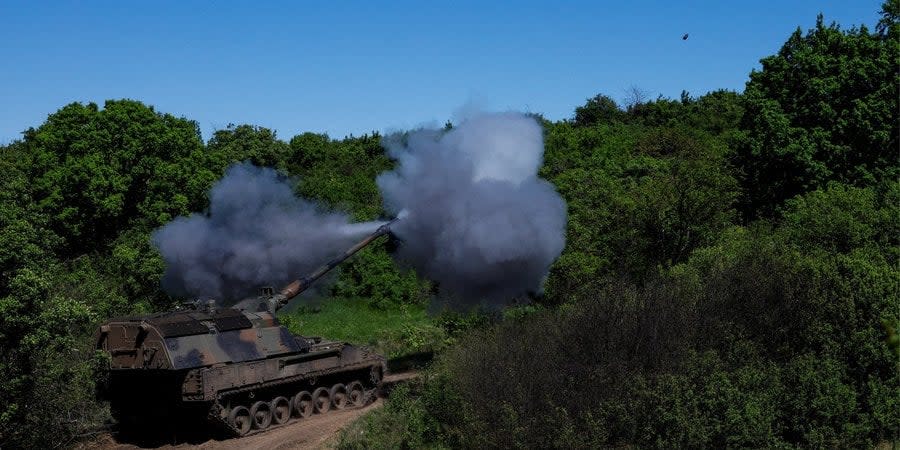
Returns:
(730, 276)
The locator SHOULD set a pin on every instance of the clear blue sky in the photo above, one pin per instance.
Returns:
(344, 67)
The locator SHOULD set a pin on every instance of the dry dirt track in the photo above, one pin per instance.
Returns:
(316, 432)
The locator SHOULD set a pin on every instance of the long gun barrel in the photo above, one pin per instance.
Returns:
(297, 286)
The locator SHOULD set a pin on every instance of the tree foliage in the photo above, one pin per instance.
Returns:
(823, 109)
(639, 198)
(684, 324)
(730, 277)
(765, 339)
(598, 109)
(79, 197)
(91, 168)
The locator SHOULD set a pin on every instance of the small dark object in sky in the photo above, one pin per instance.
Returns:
(684, 38)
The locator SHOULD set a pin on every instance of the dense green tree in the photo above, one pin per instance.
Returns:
(46, 356)
(308, 149)
(717, 112)
(91, 167)
(638, 198)
(824, 108)
(25, 237)
(598, 109)
(341, 174)
(586, 164)
(258, 145)
(683, 201)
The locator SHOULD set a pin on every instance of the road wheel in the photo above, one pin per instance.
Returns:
(303, 404)
(321, 400)
(281, 410)
(356, 394)
(339, 396)
(239, 419)
(261, 412)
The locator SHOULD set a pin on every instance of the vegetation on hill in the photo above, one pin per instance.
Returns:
(730, 276)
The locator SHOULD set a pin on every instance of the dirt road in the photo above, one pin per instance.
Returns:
(315, 432)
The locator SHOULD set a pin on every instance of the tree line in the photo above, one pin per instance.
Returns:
(730, 275)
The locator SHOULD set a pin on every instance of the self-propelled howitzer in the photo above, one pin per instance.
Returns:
(236, 366)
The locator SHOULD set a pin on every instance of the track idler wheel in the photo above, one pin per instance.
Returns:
(239, 419)
(339, 396)
(321, 400)
(303, 404)
(356, 394)
(261, 412)
(281, 410)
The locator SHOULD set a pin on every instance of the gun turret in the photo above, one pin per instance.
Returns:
(277, 301)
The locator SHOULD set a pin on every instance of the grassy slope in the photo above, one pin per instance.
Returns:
(395, 332)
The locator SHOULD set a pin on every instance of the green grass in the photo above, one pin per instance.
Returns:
(395, 332)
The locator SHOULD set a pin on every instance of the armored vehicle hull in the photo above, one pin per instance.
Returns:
(244, 371)
(236, 367)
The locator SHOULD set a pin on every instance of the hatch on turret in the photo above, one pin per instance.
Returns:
(186, 323)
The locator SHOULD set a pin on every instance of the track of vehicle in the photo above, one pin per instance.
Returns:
(254, 409)
(319, 430)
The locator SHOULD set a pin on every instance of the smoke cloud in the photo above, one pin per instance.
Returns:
(256, 233)
(477, 219)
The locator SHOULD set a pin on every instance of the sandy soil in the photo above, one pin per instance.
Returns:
(316, 432)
